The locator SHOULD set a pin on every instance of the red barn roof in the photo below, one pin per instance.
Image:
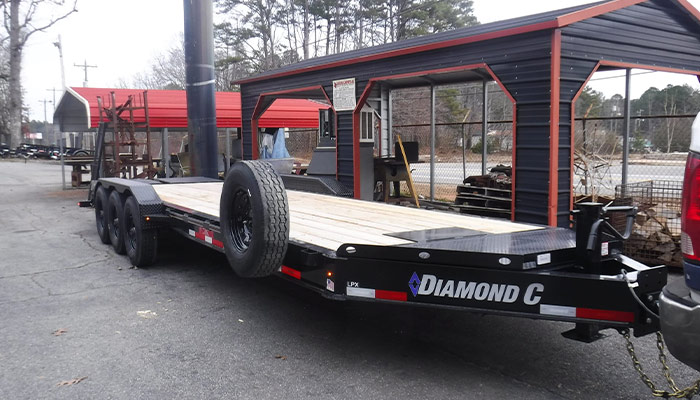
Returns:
(78, 109)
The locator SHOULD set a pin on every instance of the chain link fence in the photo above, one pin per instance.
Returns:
(458, 132)
(657, 152)
(301, 143)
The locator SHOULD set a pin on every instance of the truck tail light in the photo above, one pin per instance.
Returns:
(690, 220)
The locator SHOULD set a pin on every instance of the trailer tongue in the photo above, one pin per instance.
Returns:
(349, 249)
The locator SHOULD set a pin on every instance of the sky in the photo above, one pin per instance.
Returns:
(122, 38)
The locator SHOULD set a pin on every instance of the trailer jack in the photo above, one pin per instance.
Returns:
(586, 333)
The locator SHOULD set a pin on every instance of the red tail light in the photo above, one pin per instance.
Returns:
(690, 220)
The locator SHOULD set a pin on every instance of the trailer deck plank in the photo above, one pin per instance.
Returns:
(329, 221)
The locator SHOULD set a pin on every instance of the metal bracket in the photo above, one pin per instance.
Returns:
(586, 333)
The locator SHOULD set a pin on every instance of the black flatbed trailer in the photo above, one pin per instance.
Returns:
(348, 249)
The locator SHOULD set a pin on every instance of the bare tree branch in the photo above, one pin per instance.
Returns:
(17, 20)
(53, 22)
(6, 16)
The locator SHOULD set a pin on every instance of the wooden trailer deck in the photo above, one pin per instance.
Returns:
(329, 221)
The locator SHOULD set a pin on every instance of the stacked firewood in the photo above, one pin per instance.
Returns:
(656, 235)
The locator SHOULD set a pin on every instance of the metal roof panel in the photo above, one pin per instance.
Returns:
(78, 109)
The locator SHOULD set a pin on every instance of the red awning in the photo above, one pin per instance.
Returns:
(78, 109)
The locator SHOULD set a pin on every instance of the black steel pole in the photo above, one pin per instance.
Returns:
(484, 126)
(626, 129)
(201, 103)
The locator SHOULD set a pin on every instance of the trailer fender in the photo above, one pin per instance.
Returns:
(147, 199)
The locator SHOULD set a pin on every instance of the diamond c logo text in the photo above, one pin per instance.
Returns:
(430, 285)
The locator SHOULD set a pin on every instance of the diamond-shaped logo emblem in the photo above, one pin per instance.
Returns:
(414, 284)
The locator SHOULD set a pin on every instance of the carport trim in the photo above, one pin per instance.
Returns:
(555, 71)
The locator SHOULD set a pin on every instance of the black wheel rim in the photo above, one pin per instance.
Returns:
(130, 229)
(241, 221)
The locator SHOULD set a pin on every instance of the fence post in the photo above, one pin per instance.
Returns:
(432, 142)
(484, 127)
(464, 154)
(626, 130)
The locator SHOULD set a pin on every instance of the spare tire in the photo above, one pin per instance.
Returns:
(254, 219)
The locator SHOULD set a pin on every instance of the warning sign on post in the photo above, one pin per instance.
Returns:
(344, 94)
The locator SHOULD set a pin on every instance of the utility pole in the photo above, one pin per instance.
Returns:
(59, 46)
(45, 122)
(53, 128)
(85, 67)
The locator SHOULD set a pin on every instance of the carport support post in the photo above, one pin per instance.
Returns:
(228, 150)
(626, 129)
(432, 142)
(165, 145)
(484, 126)
(389, 124)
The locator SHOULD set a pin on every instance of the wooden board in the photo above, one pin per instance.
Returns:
(329, 221)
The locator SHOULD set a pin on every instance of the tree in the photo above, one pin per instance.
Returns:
(424, 17)
(589, 103)
(169, 69)
(167, 72)
(270, 33)
(676, 100)
(19, 19)
(4, 95)
(664, 132)
(259, 19)
(371, 25)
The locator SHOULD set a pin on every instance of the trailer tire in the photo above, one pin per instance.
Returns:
(100, 205)
(141, 244)
(254, 219)
(114, 214)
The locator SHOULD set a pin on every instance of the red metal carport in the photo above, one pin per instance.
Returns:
(78, 111)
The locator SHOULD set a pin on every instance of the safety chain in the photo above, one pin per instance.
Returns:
(677, 393)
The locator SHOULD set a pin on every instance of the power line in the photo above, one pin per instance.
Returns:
(622, 76)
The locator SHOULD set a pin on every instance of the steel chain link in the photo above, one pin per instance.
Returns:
(662, 357)
(677, 393)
